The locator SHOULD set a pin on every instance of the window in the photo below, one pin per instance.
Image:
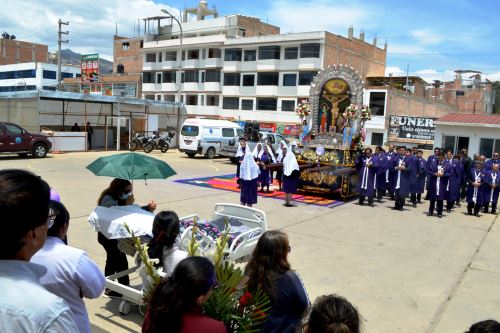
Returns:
(212, 75)
(183, 55)
(310, 50)
(17, 88)
(125, 46)
(49, 74)
(147, 77)
(150, 57)
(449, 142)
(288, 105)
(53, 88)
(191, 76)
(189, 130)
(158, 78)
(377, 139)
(267, 104)
(250, 55)
(377, 103)
(169, 98)
(203, 74)
(268, 79)
(149, 97)
(169, 77)
(228, 133)
(247, 104)
(192, 100)
(305, 78)
(203, 54)
(291, 53)
(289, 80)
(460, 93)
(269, 52)
(160, 57)
(193, 54)
(249, 80)
(232, 55)
(486, 147)
(231, 79)
(212, 100)
(13, 129)
(65, 75)
(231, 103)
(214, 53)
(171, 56)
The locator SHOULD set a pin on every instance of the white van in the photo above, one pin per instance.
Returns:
(204, 136)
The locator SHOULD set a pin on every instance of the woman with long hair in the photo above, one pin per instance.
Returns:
(269, 270)
(117, 194)
(163, 246)
(333, 314)
(177, 302)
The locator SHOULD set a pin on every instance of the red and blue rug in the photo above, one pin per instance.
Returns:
(228, 183)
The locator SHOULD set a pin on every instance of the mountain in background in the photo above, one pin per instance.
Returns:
(73, 58)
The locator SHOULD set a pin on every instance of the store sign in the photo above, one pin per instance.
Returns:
(293, 130)
(406, 127)
(266, 127)
(89, 68)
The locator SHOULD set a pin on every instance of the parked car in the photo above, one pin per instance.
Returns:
(15, 139)
(229, 147)
(204, 136)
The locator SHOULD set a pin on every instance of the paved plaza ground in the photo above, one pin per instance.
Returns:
(404, 271)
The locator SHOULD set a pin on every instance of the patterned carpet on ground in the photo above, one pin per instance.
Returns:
(228, 183)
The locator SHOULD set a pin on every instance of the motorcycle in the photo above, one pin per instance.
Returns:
(138, 141)
(158, 142)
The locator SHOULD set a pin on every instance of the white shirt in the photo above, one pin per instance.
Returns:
(26, 306)
(71, 275)
(171, 257)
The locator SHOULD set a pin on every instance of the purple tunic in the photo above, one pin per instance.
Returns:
(454, 186)
(489, 164)
(391, 157)
(289, 184)
(248, 194)
(381, 184)
(490, 193)
(432, 186)
(413, 174)
(403, 176)
(471, 190)
(421, 165)
(366, 175)
(264, 176)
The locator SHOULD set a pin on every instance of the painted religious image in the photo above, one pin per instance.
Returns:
(334, 99)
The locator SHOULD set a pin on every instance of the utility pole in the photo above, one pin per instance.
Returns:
(59, 42)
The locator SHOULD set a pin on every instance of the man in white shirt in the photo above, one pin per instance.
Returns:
(25, 305)
(71, 274)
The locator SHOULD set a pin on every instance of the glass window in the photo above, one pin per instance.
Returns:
(169, 77)
(203, 54)
(191, 76)
(250, 55)
(459, 93)
(147, 77)
(231, 79)
(214, 53)
(228, 132)
(160, 57)
(192, 100)
(203, 73)
(158, 77)
(190, 130)
(13, 129)
(249, 80)
(267, 104)
(289, 80)
(169, 98)
(213, 75)
(449, 142)
(268, 79)
(213, 100)
(486, 147)
(125, 46)
(193, 54)
(49, 74)
(232, 55)
(150, 57)
(247, 104)
(291, 53)
(377, 103)
(171, 56)
(288, 105)
(231, 103)
(497, 146)
(310, 50)
(305, 78)
(269, 52)
(65, 75)
(377, 139)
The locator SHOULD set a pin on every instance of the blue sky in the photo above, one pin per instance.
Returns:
(433, 37)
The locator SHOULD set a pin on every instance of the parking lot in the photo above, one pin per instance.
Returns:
(404, 271)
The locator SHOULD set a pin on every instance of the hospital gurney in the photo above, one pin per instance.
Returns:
(246, 225)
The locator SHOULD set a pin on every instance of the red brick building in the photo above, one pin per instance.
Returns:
(13, 51)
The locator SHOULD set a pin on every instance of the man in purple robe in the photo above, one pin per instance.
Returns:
(476, 189)
(492, 189)
(402, 167)
(367, 165)
(381, 185)
(421, 175)
(438, 174)
(453, 186)
(431, 160)
(412, 176)
(489, 164)
(389, 173)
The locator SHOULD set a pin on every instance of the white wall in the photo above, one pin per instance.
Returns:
(475, 134)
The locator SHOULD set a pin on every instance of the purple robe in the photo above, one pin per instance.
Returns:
(489, 164)
(401, 178)
(453, 187)
(367, 175)
(473, 195)
(389, 173)
(413, 173)
(381, 184)
(430, 160)
(264, 176)
(421, 165)
(437, 185)
(490, 193)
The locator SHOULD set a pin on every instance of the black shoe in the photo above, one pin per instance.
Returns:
(414, 205)
(440, 216)
(419, 202)
(494, 212)
(379, 200)
(448, 210)
(371, 204)
(458, 204)
(429, 214)
(395, 208)
(469, 213)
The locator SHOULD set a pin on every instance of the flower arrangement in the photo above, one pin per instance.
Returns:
(351, 112)
(365, 113)
(303, 109)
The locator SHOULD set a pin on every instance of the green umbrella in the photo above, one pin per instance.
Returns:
(131, 166)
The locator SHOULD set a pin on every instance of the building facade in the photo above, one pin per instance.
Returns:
(33, 76)
(236, 67)
(13, 51)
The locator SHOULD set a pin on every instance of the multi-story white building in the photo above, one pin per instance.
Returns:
(237, 67)
(33, 76)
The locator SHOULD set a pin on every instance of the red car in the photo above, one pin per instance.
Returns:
(15, 139)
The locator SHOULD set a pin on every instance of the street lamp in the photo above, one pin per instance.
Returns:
(180, 52)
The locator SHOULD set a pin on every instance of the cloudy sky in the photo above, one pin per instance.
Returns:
(433, 37)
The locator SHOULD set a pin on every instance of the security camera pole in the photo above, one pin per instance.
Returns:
(59, 42)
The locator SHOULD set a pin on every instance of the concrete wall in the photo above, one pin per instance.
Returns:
(130, 58)
(23, 112)
(474, 133)
(254, 27)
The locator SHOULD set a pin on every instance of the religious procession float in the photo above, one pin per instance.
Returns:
(333, 133)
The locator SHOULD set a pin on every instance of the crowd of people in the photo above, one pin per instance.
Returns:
(449, 179)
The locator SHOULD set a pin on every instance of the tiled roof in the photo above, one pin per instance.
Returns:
(466, 119)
